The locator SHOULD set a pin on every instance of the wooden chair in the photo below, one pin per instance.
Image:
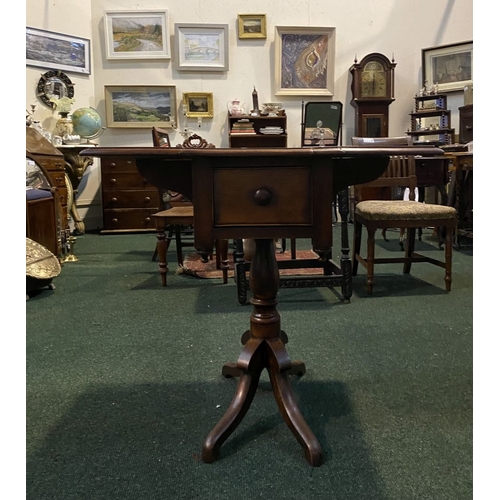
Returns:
(179, 215)
(409, 215)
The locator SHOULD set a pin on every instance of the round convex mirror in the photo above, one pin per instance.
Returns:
(54, 83)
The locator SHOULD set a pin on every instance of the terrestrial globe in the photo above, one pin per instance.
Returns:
(87, 123)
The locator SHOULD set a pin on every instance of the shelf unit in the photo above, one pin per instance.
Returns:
(425, 132)
(257, 139)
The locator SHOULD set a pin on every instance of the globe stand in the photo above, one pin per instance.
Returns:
(91, 137)
(87, 123)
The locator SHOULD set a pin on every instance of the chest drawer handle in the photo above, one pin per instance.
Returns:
(114, 200)
(113, 181)
(147, 199)
(115, 220)
(263, 197)
(148, 219)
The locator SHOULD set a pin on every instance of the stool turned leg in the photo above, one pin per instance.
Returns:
(410, 248)
(370, 256)
(224, 263)
(345, 261)
(161, 248)
(448, 249)
(356, 245)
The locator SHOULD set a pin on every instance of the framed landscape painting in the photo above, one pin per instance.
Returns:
(252, 26)
(304, 61)
(137, 34)
(140, 106)
(50, 50)
(201, 47)
(198, 104)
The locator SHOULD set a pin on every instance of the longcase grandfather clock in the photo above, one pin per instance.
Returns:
(372, 92)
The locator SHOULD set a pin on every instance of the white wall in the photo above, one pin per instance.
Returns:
(72, 17)
(399, 27)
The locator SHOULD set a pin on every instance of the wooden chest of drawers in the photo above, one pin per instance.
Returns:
(127, 199)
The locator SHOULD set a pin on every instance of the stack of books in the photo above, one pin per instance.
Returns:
(243, 127)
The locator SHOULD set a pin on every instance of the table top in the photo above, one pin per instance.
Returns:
(334, 152)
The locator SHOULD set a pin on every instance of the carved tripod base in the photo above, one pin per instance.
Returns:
(264, 347)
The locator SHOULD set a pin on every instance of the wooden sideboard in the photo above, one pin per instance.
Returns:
(128, 201)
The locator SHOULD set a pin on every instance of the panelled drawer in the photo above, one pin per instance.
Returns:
(147, 198)
(51, 164)
(118, 164)
(431, 171)
(278, 196)
(120, 180)
(129, 219)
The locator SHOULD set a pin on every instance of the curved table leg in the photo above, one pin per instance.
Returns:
(250, 365)
(287, 404)
(264, 347)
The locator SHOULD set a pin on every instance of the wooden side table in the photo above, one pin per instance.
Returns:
(254, 193)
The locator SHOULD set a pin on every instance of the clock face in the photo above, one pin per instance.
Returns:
(373, 80)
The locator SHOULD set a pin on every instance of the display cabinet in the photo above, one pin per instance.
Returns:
(430, 121)
(257, 131)
(128, 201)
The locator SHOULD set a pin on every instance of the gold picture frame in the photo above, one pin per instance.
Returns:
(198, 104)
(140, 106)
(304, 60)
(252, 26)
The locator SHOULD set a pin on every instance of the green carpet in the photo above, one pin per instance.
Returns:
(123, 383)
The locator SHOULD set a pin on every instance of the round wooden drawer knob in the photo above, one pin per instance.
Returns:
(114, 200)
(263, 197)
(148, 219)
(114, 220)
(147, 199)
(113, 181)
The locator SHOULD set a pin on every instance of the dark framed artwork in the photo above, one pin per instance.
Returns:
(50, 50)
(448, 66)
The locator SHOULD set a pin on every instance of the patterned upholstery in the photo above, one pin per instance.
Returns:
(403, 210)
(404, 215)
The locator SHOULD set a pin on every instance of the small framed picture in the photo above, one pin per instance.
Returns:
(137, 34)
(140, 106)
(198, 104)
(201, 47)
(49, 50)
(252, 26)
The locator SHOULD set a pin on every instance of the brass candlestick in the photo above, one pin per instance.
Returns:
(71, 257)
